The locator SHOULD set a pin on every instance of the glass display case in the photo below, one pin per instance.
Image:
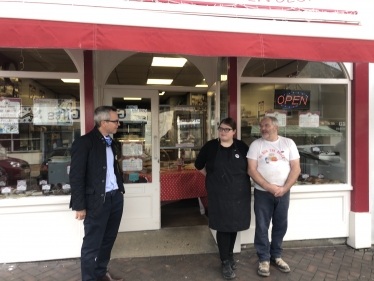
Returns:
(182, 134)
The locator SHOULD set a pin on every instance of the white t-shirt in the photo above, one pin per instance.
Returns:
(273, 159)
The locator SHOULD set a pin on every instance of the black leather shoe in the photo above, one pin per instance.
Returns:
(108, 277)
(227, 271)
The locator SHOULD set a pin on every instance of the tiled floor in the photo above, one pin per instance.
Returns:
(316, 263)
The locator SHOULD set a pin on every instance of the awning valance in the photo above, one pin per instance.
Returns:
(67, 35)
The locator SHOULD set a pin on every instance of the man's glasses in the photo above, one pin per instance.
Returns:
(226, 130)
(113, 121)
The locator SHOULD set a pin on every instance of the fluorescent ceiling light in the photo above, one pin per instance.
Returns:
(132, 98)
(161, 93)
(223, 77)
(159, 81)
(202, 85)
(70, 80)
(168, 62)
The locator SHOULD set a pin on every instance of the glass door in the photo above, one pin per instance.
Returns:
(138, 137)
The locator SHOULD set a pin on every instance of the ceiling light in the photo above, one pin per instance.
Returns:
(202, 85)
(168, 62)
(159, 81)
(70, 80)
(161, 93)
(132, 98)
(223, 77)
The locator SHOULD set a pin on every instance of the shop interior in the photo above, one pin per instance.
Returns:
(39, 149)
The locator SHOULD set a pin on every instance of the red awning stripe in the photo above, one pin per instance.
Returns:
(50, 34)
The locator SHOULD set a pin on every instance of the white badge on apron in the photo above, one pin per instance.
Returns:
(237, 155)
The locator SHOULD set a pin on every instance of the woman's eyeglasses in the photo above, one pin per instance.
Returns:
(113, 121)
(226, 130)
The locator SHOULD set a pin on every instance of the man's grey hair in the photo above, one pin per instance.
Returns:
(273, 120)
(103, 113)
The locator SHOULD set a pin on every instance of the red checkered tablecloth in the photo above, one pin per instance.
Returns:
(176, 185)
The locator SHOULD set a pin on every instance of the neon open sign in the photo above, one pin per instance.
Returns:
(292, 99)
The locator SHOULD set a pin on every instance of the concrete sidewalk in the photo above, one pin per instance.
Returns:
(314, 263)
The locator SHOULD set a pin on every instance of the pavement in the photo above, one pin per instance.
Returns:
(309, 263)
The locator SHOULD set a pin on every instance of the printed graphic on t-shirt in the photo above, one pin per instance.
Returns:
(272, 155)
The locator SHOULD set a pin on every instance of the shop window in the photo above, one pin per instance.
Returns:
(292, 68)
(314, 115)
(40, 118)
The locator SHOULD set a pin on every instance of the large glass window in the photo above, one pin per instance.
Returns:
(313, 115)
(39, 120)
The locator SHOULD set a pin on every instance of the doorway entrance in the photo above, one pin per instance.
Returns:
(138, 136)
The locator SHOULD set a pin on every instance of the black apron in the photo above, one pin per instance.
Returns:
(229, 192)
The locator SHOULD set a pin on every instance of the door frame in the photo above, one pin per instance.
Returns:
(137, 214)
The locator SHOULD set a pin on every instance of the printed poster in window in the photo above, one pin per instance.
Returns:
(132, 114)
(10, 109)
(53, 112)
(280, 115)
(309, 119)
(132, 149)
(132, 164)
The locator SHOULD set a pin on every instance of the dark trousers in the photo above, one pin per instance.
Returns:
(226, 243)
(269, 208)
(99, 236)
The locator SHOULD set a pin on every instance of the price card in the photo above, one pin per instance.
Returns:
(6, 190)
(2, 183)
(46, 187)
(21, 185)
(66, 186)
(43, 182)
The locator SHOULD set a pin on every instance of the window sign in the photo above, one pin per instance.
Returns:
(280, 115)
(309, 119)
(132, 149)
(132, 164)
(292, 99)
(10, 109)
(53, 112)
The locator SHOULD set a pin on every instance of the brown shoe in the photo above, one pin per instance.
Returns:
(108, 277)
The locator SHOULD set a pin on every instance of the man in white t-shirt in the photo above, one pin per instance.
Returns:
(274, 166)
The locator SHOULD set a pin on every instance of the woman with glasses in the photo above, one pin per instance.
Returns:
(223, 161)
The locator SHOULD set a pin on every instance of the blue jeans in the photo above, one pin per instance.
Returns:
(267, 207)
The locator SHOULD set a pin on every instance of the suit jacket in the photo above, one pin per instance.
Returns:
(88, 172)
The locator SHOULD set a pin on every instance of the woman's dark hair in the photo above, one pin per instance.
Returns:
(229, 122)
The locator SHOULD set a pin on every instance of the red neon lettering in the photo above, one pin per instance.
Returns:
(288, 98)
(279, 99)
(295, 100)
(304, 100)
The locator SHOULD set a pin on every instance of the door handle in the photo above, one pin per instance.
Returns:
(155, 148)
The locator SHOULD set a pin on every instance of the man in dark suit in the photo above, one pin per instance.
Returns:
(97, 193)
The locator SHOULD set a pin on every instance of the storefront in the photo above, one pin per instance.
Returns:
(322, 104)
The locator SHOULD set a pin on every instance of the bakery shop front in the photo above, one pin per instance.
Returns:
(168, 111)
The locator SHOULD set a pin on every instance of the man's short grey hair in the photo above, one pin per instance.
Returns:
(103, 113)
(273, 120)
